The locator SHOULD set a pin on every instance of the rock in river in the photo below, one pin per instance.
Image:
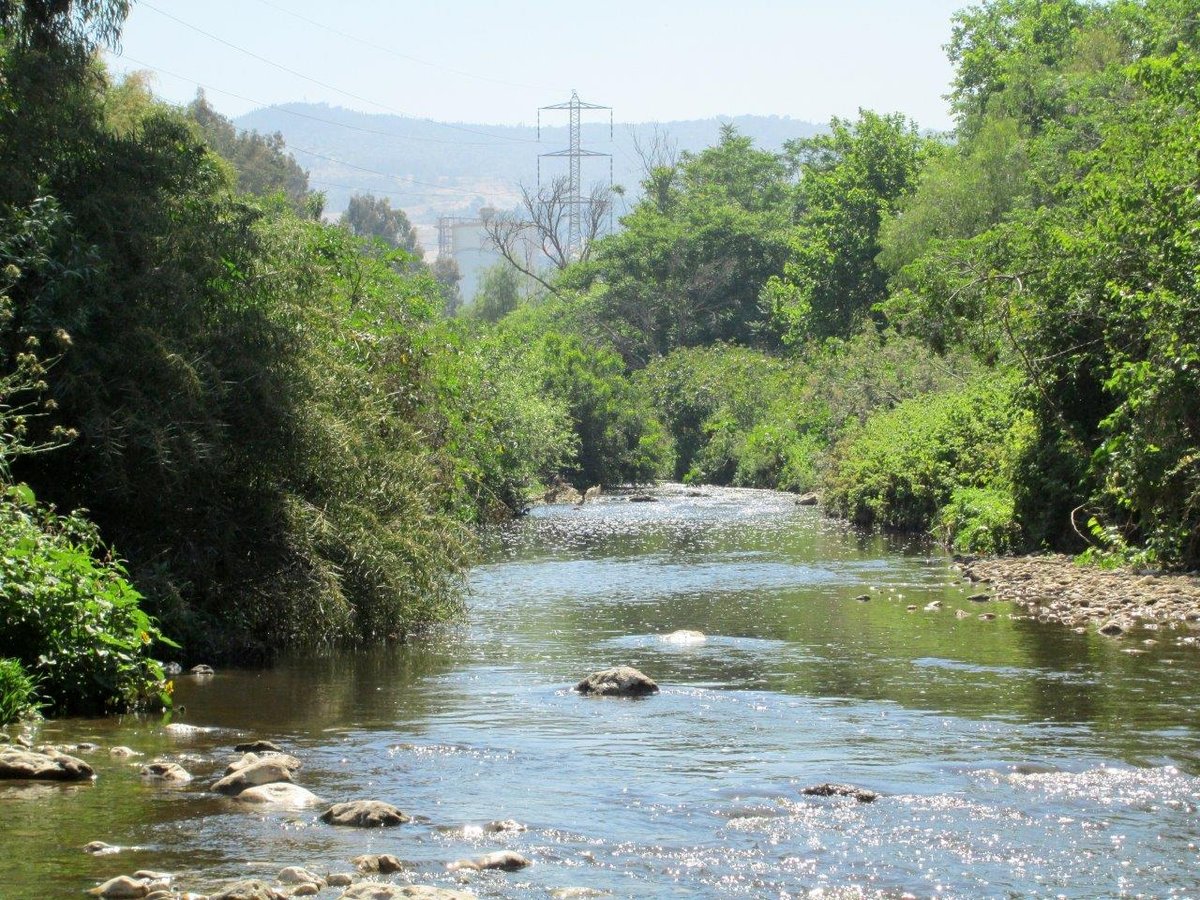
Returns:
(249, 759)
(383, 863)
(166, 771)
(248, 890)
(372, 890)
(622, 681)
(280, 794)
(18, 763)
(258, 747)
(862, 795)
(263, 771)
(685, 636)
(504, 860)
(809, 499)
(364, 814)
(121, 887)
(299, 875)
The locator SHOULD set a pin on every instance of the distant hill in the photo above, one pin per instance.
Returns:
(460, 166)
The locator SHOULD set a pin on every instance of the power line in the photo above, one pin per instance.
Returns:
(397, 53)
(320, 83)
(292, 112)
(404, 178)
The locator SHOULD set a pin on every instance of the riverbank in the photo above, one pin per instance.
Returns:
(1054, 588)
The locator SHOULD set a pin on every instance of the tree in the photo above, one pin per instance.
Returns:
(498, 294)
(77, 25)
(850, 180)
(539, 230)
(369, 216)
(690, 260)
(261, 162)
(446, 272)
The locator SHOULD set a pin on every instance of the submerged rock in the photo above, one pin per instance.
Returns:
(121, 887)
(258, 747)
(339, 879)
(178, 729)
(280, 794)
(504, 826)
(504, 860)
(202, 669)
(54, 766)
(122, 752)
(862, 795)
(685, 636)
(252, 889)
(621, 681)
(371, 890)
(99, 848)
(1112, 629)
(642, 498)
(863, 598)
(166, 771)
(364, 814)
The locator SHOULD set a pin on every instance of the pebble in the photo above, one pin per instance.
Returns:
(1060, 591)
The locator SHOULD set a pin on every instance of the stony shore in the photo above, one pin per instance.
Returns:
(1054, 588)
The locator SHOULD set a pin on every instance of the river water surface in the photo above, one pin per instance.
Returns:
(1012, 758)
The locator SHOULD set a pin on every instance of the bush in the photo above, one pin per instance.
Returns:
(900, 468)
(17, 691)
(980, 520)
(70, 618)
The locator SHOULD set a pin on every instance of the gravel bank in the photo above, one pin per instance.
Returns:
(1056, 589)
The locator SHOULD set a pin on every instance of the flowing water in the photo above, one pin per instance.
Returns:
(1012, 758)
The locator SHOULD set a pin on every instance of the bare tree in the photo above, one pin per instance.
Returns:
(539, 229)
(659, 156)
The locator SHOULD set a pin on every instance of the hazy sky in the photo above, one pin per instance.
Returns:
(475, 61)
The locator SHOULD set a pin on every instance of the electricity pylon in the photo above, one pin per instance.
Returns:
(575, 154)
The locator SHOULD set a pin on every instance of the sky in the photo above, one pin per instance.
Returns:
(491, 62)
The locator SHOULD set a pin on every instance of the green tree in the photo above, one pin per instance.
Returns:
(369, 216)
(688, 264)
(850, 179)
(261, 163)
(498, 294)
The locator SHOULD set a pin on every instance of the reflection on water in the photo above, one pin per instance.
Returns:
(1013, 758)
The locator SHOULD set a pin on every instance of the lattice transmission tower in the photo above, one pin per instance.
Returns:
(575, 153)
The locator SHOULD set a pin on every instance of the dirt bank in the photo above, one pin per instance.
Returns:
(1056, 589)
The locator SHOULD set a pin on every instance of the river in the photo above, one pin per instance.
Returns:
(1012, 758)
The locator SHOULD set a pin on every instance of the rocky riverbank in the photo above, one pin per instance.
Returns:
(1055, 589)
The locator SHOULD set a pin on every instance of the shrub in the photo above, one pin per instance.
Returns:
(17, 691)
(69, 617)
(903, 465)
(980, 520)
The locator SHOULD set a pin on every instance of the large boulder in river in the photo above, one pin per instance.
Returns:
(364, 814)
(18, 763)
(263, 771)
(279, 795)
(621, 681)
